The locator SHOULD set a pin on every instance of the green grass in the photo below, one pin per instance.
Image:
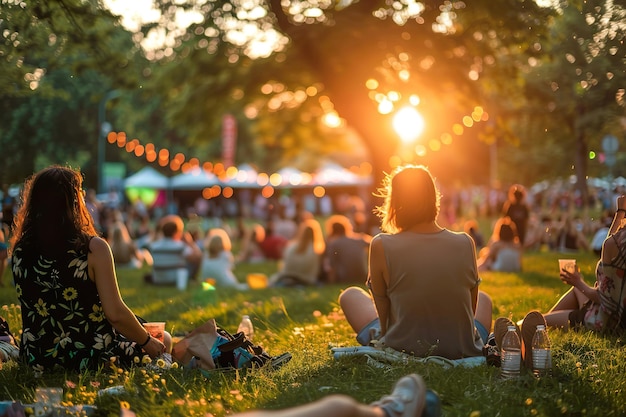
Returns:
(589, 376)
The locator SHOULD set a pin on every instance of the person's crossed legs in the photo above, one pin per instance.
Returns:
(360, 312)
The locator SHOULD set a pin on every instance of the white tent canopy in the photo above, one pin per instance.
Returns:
(195, 179)
(292, 178)
(246, 177)
(147, 177)
(333, 174)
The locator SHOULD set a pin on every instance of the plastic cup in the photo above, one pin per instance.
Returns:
(567, 264)
(256, 281)
(156, 329)
(50, 397)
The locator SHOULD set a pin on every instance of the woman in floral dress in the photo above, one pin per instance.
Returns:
(601, 307)
(73, 315)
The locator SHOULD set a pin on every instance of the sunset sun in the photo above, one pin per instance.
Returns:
(408, 124)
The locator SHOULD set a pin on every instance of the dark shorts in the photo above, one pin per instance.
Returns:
(577, 317)
(372, 332)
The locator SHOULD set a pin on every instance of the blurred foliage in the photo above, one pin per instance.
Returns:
(281, 67)
(59, 58)
(573, 94)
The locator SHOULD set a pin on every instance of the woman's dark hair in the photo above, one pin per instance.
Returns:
(517, 193)
(505, 230)
(53, 216)
(411, 197)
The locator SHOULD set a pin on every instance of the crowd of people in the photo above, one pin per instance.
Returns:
(422, 278)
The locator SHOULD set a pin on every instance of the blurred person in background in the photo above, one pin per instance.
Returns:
(94, 206)
(218, 261)
(302, 257)
(4, 255)
(345, 256)
(517, 208)
(570, 237)
(504, 251)
(471, 228)
(250, 250)
(8, 210)
(174, 255)
(273, 244)
(126, 253)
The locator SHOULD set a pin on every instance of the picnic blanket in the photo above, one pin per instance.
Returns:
(382, 357)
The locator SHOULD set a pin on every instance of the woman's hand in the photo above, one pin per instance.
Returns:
(154, 348)
(572, 278)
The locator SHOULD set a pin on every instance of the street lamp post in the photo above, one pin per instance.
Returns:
(104, 128)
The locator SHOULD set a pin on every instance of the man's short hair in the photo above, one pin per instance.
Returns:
(171, 225)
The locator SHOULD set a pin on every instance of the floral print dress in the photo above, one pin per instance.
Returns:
(610, 314)
(63, 323)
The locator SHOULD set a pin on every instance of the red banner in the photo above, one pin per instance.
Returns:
(229, 140)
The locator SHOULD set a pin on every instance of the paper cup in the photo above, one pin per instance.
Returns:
(256, 281)
(568, 265)
(156, 329)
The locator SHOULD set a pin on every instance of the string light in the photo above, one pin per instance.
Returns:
(267, 181)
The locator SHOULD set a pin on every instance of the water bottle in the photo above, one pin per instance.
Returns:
(511, 354)
(246, 327)
(542, 352)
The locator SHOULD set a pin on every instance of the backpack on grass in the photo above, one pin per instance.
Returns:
(210, 347)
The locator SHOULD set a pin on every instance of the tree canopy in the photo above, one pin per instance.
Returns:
(533, 82)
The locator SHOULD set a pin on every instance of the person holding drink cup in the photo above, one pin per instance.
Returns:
(600, 307)
(73, 315)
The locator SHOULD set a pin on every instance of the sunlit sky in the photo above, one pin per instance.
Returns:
(134, 13)
(245, 33)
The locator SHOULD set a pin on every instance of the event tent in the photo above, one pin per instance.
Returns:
(195, 179)
(332, 174)
(246, 177)
(147, 177)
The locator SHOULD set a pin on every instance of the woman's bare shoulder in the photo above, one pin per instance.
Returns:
(98, 245)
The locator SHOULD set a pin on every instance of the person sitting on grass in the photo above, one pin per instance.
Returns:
(174, 255)
(8, 347)
(250, 250)
(218, 261)
(345, 257)
(504, 251)
(601, 307)
(126, 253)
(4, 255)
(73, 316)
(422, 278)
(302, 258)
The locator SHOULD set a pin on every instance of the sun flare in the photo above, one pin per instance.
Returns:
(408, 124)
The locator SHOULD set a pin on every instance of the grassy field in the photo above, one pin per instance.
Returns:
(589, 376)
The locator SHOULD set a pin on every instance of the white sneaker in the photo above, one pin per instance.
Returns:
(407, 399)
